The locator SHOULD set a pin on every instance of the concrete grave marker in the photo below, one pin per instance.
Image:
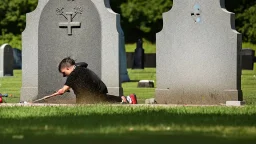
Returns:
(146, 83)
(198, 54)
(6, 60)
(86, 30)
(139, 53)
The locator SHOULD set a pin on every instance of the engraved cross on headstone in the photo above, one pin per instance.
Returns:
(196, 15)
(70, 24)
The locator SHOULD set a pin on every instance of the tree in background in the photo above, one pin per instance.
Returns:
(246, 18)
(13, 20)
(139, 18)
(143, 18)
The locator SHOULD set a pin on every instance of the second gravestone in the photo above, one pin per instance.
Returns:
(198, 60)
(6, 60)
(87, 30)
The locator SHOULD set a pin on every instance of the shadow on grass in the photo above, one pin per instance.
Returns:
(91, 121)
(128, 138)
(150, 117)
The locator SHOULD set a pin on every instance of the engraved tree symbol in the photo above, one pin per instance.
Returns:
(59, 11)
(69, 16)
(78, 10)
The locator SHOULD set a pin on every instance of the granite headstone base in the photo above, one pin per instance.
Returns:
(115, 91)
(198, 97)
(146, 83)
(150, 101)
(235, 103)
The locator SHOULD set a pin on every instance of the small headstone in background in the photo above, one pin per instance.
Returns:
(6, 60)
(248, 58)
(17, 58)
(235, 103)
(138, 60)
(150, 101)
(146, 83)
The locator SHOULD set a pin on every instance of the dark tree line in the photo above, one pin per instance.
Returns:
(139, 18)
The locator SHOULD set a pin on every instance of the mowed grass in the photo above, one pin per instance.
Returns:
(135, 76)
(249, 45)
(147, 46)
(249, 86)
(126, 124)
(249, 80)
(11, 86)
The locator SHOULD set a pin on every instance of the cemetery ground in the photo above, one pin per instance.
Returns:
(127, 124)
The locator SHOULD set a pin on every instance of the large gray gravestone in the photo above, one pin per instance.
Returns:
(6, 60)
(198, 59)
(86, 30)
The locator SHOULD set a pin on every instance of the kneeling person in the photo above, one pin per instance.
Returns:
(87, 86)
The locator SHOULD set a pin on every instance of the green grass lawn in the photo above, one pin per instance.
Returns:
(147, 46)
(125, 124)
(140, 74)
(249, 86)
(11, 86)
(249, 45)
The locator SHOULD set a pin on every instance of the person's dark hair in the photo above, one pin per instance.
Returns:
(66, 62)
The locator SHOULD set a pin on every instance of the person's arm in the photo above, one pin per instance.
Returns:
(63, 90)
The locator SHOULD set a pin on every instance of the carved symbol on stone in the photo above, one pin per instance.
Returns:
(59, 11)
(69, 16)
(78, 10)
(196, 15)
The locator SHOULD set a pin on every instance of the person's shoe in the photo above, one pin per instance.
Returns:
(124, 100)
(133, 98)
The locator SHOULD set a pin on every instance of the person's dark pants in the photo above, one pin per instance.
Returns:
(113, 99)
(92, 98)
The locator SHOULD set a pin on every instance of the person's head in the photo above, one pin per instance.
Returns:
(66, 66)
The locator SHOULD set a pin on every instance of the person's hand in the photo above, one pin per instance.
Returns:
(60, 92)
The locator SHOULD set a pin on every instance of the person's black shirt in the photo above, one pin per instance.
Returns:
(83, 80)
